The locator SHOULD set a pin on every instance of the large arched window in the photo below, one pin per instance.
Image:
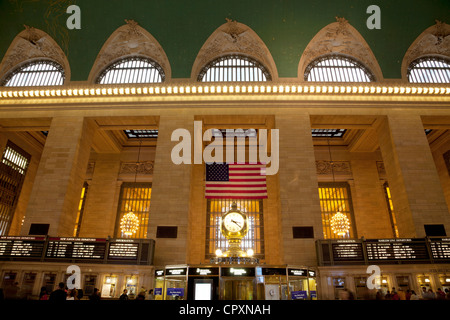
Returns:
(132, 70)
(337, 68)
(234, 68)
(35, 73)
(429, 70)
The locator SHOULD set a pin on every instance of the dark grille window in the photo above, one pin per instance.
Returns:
(337, 68)
(234, 68)
(132, 70)
(429, 70)
(328, 133)
(140, 134)
(36, 73)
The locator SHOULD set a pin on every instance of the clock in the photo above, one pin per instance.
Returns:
(234, 224)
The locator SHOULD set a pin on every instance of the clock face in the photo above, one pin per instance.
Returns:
(234, 222)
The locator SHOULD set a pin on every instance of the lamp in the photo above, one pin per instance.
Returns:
(129, 224)
(339, 222)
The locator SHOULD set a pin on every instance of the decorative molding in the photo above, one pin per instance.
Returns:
(435, 40)
(130, 40)
(325, 167)
(234, 38)
(145, 167)
(31, 44)
(339, 38)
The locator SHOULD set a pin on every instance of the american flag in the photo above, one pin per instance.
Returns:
(235, 181)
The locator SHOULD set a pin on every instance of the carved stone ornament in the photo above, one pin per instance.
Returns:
(145, 167)
(339, 38)
(234, 38)
(130, 40)
(325, 167)
(31, 44)
(435, 40)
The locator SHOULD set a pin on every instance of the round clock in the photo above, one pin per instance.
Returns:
(234, 223)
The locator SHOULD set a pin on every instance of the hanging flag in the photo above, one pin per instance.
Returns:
(235, 181)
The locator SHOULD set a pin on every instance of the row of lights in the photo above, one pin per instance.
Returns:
(232, 89)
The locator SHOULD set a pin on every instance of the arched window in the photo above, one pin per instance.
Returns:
(429, 70)
(234, 68)
(337, 68)
(36, 73)
(132, 70)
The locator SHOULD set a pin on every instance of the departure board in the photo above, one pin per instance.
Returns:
(396, 249)
(440, 248)
(76, 248)
(347, 251)
(123, 249)
(21, 247)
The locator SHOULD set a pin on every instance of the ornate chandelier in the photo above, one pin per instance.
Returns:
(340, 224)
(129, 224)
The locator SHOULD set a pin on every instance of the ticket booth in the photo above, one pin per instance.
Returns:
(28, 281)
(237, 283)
(302, 284)
(444, 280)
(203, 283)
(49, 281)
(175, 283)
(131, 283)
(272, 283)
(158, 291)
(109, 286)
(424, 282)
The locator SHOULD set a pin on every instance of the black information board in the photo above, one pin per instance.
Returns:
(21, 247)
(347, 251)
(440, 248)
(123, 249)
(396, 249)
(76, 248)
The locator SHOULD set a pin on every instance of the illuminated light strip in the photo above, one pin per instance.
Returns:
(224, 89)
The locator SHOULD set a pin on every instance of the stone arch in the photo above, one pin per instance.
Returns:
(126, 41)
(33, 44)
(339, 38)
(234, 38)
(434, 41)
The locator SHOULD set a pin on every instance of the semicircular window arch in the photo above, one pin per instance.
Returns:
(36, 73)
(234, 68)
(337, 68)
(429, 69)
(132, 70)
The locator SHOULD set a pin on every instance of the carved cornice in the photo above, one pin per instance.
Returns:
(32, 44)
(145, 167)
(325, 167)
(340, 38)
(234, 38)
(130, 40)
(433, 41)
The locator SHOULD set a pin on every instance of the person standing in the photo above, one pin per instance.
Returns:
(124, 295)
(59, 294)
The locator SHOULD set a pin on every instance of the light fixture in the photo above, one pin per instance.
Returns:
(340, 224)
(129, 224)
(250, 252)
(219, 253)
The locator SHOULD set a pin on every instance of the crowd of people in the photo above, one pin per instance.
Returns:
(401, 294)
(62, 293)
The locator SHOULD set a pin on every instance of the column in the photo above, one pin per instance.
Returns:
(417, 194)
(170, 193)
(100, 211)
(59, 179)
(299, 195)
(369, 202)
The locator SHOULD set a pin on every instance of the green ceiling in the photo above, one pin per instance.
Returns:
(181, 26)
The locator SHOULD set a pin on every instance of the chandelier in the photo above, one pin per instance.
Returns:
(129, 224)
(340, 224)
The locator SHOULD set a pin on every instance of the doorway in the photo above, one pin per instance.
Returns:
(237, 289)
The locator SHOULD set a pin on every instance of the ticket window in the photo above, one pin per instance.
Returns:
(424, 283)
(271, 284)
(175, 284)
(89, 284)
(131, 283)
(362, 291)
(444, 280)
(159, 285)
(339, 287)
(384, 285)
(109, 287)
(28, 281)
(403, 283)
(49, 281)
(8, 279)
(203, 283)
